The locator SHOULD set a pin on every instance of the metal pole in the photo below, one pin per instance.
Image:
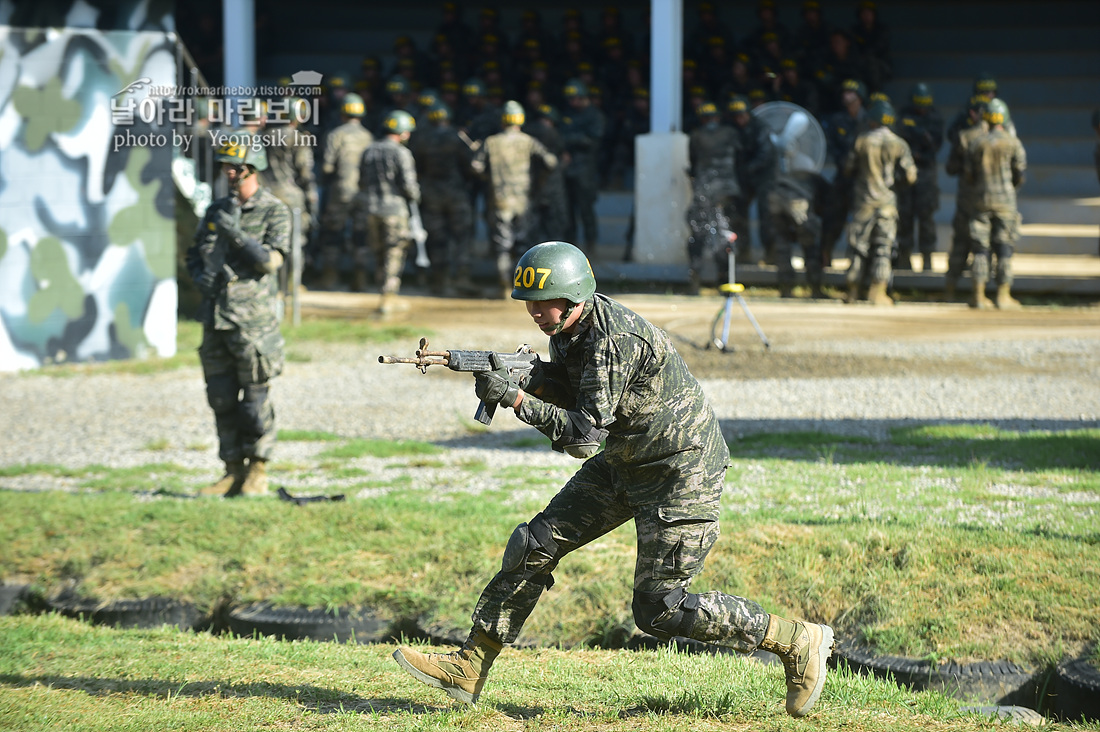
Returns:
(239, 42)
(666, 64)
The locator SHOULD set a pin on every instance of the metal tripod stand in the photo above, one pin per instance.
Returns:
(732, 289)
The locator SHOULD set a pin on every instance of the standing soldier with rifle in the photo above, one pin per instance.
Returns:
(615, 377)
(240, 244)
(391, 195)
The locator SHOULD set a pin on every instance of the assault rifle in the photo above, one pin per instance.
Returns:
(518, 364)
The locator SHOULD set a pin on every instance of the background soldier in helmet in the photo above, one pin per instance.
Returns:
(550, 208)
(505, 161)
(712, 155)
(344, 148)
(841, 129)
(920, 125)
(240, 244)
(443, 169)
(755, 168)
(994, 163)
(289, 174)
(965, 203)
(792, 201)
(582, 130)
(387, 177)
(615, 377)
(872, 234)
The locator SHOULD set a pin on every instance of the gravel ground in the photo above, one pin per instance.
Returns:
(849, 370)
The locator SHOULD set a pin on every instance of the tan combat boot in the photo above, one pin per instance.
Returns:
(1005, 301)
(228, 484)
(255, 483)
(876, 295)
(461, 674)
(804, 649)
(978, 300)
(853, 294)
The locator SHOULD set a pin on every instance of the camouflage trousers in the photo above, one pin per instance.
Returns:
(872, 235)
(793, 219)
(449, 220)
(388, 239)
(238, 366)
(674, 537)
(834, 215)
(961, 242)
(917, 206)
(581, 192)
(994, 233)
(332, 237)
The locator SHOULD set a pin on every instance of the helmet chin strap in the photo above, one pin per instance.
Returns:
(564, 317)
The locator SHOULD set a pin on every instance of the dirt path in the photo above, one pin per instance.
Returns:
(808, 339)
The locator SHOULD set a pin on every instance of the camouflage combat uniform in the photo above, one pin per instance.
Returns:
(873, 232)
(994, 164)
(917, 204)
(550, 205)
(755, 168)
(505, 160)
(344, 148)
(443, 170)
(965, 204)
(791, 203)
(289, 175)
(581, 133)
(242, 347)
(841, 131)
(663, 466)
(712, 154)
(387, 179)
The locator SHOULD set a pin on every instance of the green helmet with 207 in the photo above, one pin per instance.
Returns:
(241, 148)
(398, 122)
(553, 270)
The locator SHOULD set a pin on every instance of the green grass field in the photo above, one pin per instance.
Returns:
(60, 674)
(957, 541)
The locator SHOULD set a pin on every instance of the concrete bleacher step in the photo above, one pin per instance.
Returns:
(908, 39)
(947, 14)
(1044, 180)
(1019, 63)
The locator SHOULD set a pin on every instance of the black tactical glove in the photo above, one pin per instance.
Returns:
(228, 221)
(206, 283)
(495, 387)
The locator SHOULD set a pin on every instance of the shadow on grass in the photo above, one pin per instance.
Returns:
(313, 698)
(1022, 444)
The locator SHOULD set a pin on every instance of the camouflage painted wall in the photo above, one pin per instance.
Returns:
(87, 232)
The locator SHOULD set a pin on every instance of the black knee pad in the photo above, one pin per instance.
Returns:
(665, 614)
(531, 552)
(222, 393)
